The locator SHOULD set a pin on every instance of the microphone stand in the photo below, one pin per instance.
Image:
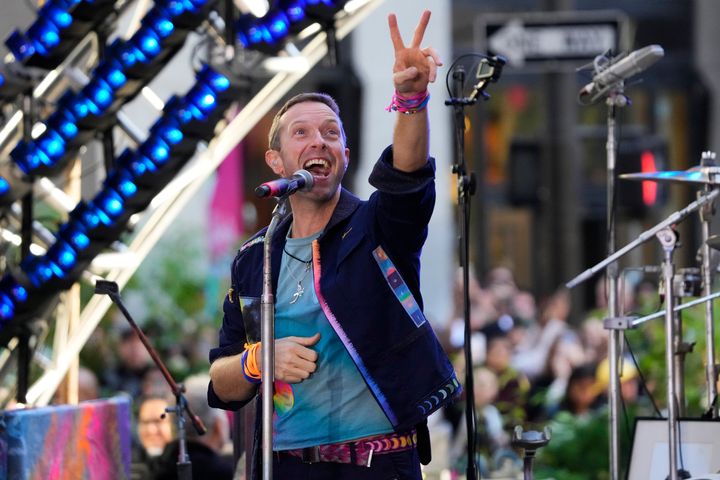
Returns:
(466, 189)
(184, 466)
(615, 99)
(466, 185)
(267, 337)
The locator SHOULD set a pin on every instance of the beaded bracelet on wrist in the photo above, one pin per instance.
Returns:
(408, 105)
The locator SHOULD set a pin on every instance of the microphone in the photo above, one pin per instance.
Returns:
(301, 180)
(622, 68)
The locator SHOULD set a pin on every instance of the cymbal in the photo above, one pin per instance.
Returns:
(701, 175)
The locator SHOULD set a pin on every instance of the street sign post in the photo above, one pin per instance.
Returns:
(551, 40)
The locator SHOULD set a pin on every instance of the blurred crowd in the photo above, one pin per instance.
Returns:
(532, 363)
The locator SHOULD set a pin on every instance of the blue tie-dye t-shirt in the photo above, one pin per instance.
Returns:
(334, 404)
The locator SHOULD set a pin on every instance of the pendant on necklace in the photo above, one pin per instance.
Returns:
(298, 293)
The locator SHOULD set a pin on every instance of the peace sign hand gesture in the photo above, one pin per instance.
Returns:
(414, 67)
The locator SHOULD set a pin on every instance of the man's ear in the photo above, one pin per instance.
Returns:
(273, 160)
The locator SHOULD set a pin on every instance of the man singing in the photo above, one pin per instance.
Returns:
(357, 366)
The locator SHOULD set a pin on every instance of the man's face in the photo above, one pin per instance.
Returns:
(154, 430)
(311, 139)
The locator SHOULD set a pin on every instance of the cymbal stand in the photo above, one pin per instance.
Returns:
(706, 213)
(686, 284)
(668, 241)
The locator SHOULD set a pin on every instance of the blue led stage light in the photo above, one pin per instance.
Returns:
(252, 33)
(61, 258)
(56, 14)
(62, 123)
(13, 290)
(45, 35)
(74, 234)
(37, 269)
(20, 45)
(7, 309)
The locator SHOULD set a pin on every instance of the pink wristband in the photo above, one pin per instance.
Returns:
(408, 105)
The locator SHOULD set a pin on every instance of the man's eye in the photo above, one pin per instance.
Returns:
(300, 131)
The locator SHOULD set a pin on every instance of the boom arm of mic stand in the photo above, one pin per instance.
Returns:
(184, 465)
(111, 289)
(644, 237)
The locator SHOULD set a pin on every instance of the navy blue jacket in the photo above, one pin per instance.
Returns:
(367, 278)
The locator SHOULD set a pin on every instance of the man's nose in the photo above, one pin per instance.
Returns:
(317, 141)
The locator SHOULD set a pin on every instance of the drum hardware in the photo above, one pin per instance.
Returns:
(668, 240)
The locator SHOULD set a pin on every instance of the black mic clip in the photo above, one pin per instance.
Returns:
(488, 71)
(106, 287)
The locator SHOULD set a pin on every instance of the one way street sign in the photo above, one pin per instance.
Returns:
(550, 38)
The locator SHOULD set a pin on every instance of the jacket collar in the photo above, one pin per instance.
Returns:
(345, 207)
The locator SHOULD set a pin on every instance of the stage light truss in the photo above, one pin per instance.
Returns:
(126, 68)
(130, 190)
(284, 21)
(59, 27)
(138, 176)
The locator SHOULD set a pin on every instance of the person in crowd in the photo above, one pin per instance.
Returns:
(513, 386)
(88, 385)
(154, 431)
(629, 383)
(594, 339)
(532, 356)
(206, 452)
(134, 363)
(524, 314)
(154, 427)
(501, 285)
(482, 312)
(489, 431)
(357, 366)
(581, 394)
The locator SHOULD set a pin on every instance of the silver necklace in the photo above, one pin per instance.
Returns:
(299, 289)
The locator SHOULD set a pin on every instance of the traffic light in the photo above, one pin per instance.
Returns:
(636, 199)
